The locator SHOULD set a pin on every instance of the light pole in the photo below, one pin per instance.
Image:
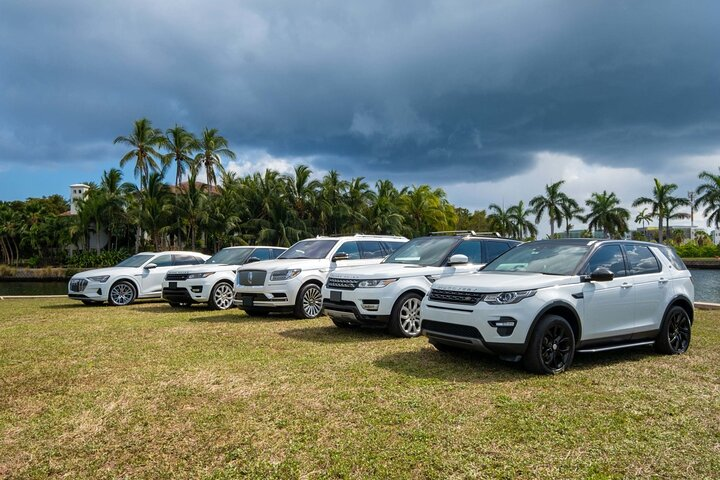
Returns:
(691, 197)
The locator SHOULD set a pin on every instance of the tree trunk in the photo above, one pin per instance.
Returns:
(660, 229)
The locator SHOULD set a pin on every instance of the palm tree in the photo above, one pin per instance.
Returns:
(211, 146)
(154, 208)
(358, 198)
(427, 210)
(333, 209)
(523, 227)
(181, 145)
(643, 217)
(659, 202)
(606, 214)
(302, 191)
(384, 216)
(709, 197)
(550, 204)
(501, 220)
(570, 210)
(670, 214)
(144, 140)
(190, 206)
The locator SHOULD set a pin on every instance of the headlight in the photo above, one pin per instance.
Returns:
(100, 279)
(284, 274)
(376, 283)
(199, 275)
(506, 298)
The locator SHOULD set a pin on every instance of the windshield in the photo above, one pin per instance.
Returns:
(230, 256)
(540, 257)
(423, 251)
(309, 249)
(135, 261)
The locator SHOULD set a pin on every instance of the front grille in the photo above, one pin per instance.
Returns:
(174, 277)
(251, 278)
(342, 283)
(451, 329)
(455, 296)
(78, 285)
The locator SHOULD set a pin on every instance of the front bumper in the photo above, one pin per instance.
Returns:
(347, 310)
(186, 292)
(260, 300)
(469, 326)
(94, 291)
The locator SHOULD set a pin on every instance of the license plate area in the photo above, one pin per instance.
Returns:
(335, 296)
(248, 301)
(173, 284)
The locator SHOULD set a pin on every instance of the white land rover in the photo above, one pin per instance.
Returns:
(389, 294)
(544, 301)
(293, 281)
(212, 282)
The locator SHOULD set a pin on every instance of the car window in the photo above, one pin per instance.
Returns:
(163, 261)
(309, 249)
(351, 248)
(371, 249)
(610, 257)
(186, 260)
(275, 252)
(392, 246)
(135, 260)
(471, 249)
(641, 260)
(263, 254)
(423, 251)
(672, 255)
(494, 250)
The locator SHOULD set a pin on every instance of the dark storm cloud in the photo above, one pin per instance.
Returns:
(399, 89)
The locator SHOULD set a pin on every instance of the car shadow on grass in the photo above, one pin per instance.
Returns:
(469, 366)
(332, 334)
(237, 316)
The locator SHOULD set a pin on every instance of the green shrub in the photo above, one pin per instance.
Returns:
(93, 259)
(693, 250)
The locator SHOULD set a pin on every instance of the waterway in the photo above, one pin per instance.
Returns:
(707, 287)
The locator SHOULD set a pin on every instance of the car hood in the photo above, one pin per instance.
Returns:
(113, 271)
(503, 282)
(288, 264)
(203, 267)
(387, 270)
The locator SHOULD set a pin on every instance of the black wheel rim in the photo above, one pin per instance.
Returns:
(679, 331)
(556, 348)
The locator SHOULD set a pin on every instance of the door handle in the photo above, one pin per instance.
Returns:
(663, 280)
(626, 285)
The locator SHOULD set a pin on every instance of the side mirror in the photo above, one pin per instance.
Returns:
(458, 259)
(252, 260)
(600, 274)
(340, 256)
(150, 266)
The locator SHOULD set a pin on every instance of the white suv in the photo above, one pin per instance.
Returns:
(293, 281)
(390, 293)
(212, 282)
(139, 276)
(544, 301)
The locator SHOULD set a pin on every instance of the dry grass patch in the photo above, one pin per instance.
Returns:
(151, 392)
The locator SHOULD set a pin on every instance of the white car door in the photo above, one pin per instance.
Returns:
(151, 278)
(653, 289)
(608, 307)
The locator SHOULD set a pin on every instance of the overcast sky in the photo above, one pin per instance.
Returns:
(489, 99)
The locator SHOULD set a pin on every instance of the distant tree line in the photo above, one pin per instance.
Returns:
(280, 209)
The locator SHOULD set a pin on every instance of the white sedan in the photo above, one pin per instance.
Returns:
(139, 276)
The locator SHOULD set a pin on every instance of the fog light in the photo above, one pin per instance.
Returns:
(504, 325)
(197, 289)
(371, 307)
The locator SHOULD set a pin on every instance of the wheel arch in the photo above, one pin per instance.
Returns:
(562, 309)
(685, 303)
(130, 280)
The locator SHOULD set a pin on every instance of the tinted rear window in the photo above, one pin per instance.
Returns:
(641, 260)
(674, 258)
(495, 249)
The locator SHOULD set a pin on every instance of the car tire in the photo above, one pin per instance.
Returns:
(91, 303)
(675, 332)
(122, 293)
(552, 346)
(221, 296)
(405, 316)
(252, 312)
(309, 301)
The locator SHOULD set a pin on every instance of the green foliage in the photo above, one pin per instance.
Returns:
(93, 259)
(693, 250)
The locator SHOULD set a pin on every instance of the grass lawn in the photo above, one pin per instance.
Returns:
(148, 391)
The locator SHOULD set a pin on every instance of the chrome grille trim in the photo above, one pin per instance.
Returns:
(456, 296)
(342, 283)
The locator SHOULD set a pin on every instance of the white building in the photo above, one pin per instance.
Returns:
(77, 192)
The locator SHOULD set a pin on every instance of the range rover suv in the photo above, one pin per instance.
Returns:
(293, 281)
(390, 293)
(544, 301)
(212, 282)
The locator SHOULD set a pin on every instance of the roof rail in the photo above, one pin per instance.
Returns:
(467, 232)
(336, 235)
